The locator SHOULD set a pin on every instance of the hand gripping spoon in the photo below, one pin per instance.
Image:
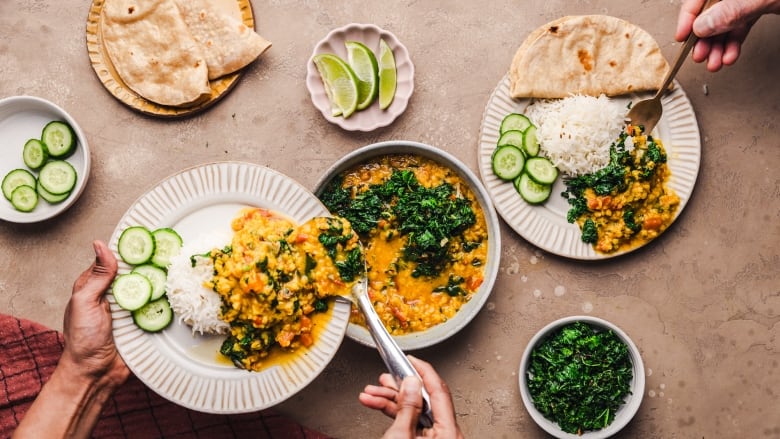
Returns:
(648, 112)
(395, 360)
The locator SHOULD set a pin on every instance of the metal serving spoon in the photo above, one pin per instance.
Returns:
(395, 359)
(397, 363)
(648, 112)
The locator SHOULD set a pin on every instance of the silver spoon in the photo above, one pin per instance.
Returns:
(395, 359)
(648, 112)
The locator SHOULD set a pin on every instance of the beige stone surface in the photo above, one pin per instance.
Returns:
(702, 302)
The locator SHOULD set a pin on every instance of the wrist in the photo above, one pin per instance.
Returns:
(69, 404)
(75, 381)
(108, 377)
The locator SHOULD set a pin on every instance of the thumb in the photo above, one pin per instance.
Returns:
(725, 16)
(409, 405)
(96, 279)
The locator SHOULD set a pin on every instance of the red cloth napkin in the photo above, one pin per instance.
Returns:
(29, 353)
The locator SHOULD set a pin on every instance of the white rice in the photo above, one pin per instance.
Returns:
(193, 303)
(575, 132)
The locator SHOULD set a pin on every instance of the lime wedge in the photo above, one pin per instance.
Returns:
(340, 83)
(387, 75)
(363, 63)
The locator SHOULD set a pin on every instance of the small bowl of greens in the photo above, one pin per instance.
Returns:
(581, 377)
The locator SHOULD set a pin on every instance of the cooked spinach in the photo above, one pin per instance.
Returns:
(428, 217)
(454, 286)
(334, 239)
(603, 182)
(590, 233)
(579, 376)
(611, 179)
(629, 217)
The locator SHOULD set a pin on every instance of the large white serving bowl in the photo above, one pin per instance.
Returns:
(451, 327)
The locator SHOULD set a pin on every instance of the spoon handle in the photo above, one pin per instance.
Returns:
(395, 360)
(684, 51)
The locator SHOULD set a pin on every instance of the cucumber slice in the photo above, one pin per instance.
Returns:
(154, 316)
(511, 137)
(131, 291)
(167, 245)
(514, 121)
(59, 138)
(58, 177)
(507, 162)
(24, 198)
(157, 277)
(530, 142)
(541, 170)
(531, 191)
(16, 178)
(50, 197)
(34, 154)
(136, 245)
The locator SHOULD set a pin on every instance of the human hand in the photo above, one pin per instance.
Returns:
(405, 404)
(89, 342)
(90, 368)
(722, 28)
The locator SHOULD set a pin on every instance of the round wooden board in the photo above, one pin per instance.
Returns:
(105, 71)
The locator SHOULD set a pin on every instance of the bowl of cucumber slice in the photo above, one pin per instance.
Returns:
(46, 159)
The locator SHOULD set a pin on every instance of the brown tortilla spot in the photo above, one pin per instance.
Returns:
(130, 10)
(612, 63)
(585, 59)
(553, 29)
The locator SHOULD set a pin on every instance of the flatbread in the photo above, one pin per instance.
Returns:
(588, 55)
(153, 52)
(227, 43)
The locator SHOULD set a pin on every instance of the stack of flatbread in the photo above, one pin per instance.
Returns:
(587, 55)
(168, 50)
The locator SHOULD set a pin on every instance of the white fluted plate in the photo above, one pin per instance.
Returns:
(545, 226)
(372, 117)
(185, 368)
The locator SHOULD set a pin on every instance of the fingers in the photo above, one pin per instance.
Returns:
(688, 12)
(715, 57)
(381, 397)
(376, 402)
(701, 50)
(731, 52)
(726, 16)
(94, 281)
(441, 399)
(409, 409)
(388, 381)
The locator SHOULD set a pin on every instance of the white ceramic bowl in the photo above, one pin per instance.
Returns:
(372, 117)
(449, 328)
(23, 118)
(624, 414)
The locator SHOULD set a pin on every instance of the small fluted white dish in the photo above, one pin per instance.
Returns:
(372, 117)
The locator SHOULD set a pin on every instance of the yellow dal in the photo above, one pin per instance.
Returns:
(653, 202)
(268, 286)
(405, 303)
